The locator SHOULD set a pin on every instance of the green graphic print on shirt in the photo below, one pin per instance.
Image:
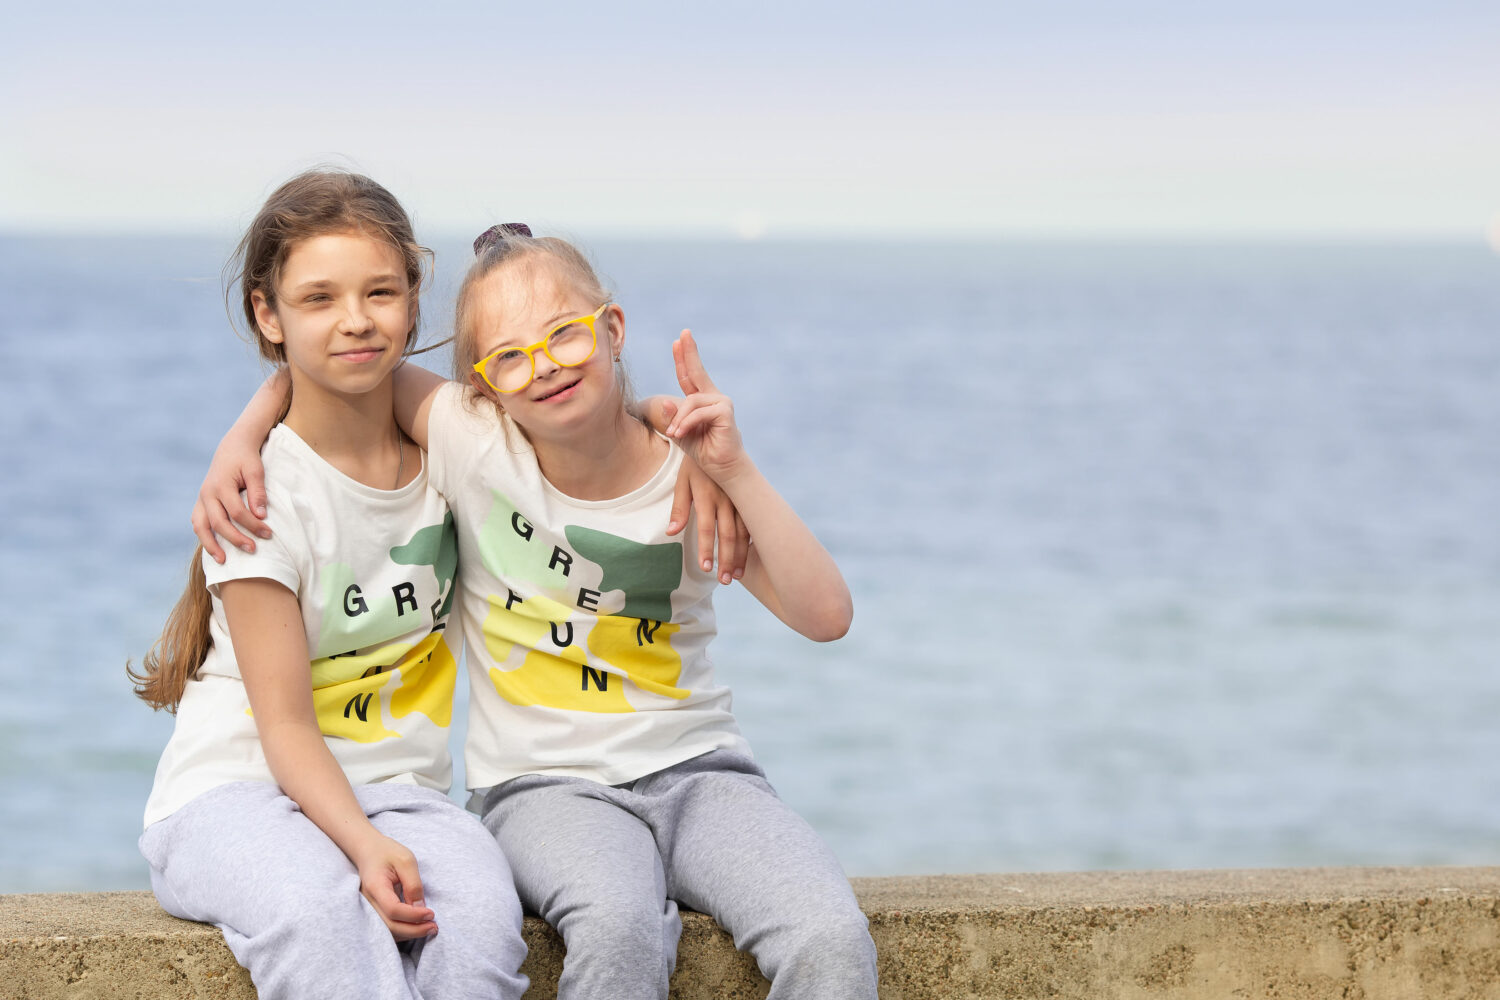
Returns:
(352, 667)
(558, 668)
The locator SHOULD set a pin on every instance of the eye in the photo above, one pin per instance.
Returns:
(385, 292)
(512, 354)
(567, 336)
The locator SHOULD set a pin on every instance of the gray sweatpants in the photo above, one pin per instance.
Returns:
(604, 865)
(244, 857)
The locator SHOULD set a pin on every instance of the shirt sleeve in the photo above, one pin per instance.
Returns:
(272, 558)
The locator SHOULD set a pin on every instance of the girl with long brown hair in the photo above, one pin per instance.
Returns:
(301, 802)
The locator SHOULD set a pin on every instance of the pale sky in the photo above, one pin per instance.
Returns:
(984, 119)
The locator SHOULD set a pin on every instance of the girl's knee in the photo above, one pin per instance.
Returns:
(485, 913)
(332, 947)
(829, 937)
(343, 915)
(472, 882)
(638, 927)
(847, 932)
(619, 949)
(825, 957)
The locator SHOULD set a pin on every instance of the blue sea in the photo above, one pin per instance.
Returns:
(1163, 556)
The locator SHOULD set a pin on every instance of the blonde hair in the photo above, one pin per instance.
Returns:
(314, 203)
(514, 246)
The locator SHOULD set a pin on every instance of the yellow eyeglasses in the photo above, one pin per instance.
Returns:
(569, 344)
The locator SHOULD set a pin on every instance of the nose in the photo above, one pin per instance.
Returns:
(356, 318)
(544, 365)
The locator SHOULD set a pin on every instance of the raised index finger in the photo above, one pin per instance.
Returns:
(691, 374)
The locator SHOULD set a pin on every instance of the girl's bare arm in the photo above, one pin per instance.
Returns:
(788, 569)
(221, 511)
(265, 625)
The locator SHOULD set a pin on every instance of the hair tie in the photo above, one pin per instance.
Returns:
(493, 235)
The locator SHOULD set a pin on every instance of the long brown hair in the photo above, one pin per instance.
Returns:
(319, 203)
(314, 203)
(183, 644)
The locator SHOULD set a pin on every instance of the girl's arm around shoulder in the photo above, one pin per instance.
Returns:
(270, 644)
(220, 510)
(788, 570)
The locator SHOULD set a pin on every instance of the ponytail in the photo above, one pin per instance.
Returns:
(182, 647)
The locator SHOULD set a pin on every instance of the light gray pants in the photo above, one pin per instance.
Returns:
(604, 865)
(244, 857)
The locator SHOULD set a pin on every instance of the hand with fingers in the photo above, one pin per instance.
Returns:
(221, 505)
(703, 423)
(236, 466)
(696, 492)
(388, 878)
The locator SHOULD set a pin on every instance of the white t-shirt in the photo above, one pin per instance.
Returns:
(373, 571)
(586, 626)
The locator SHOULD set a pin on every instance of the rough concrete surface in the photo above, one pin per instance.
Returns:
(1357, 933)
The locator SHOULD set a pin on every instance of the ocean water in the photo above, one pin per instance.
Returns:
(1162, 556)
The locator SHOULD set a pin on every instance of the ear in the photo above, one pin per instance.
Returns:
(616, 317)
(265, 317)
(483, 388)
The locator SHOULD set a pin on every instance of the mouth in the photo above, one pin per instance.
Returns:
(560, 393)
(360, 356)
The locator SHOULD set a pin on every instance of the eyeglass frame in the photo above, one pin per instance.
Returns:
(530, 352)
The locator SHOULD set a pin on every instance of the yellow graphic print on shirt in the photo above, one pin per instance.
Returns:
(550, 679)
(633, 649)
(641, 648)
(353, 708)
(428, 673)
(352, 691)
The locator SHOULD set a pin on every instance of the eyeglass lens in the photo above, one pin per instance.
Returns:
(511, 371)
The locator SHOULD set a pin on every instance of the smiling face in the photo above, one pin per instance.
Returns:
(516, 305)
(342, 313)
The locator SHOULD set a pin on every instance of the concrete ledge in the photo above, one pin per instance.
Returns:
(1371, 933)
